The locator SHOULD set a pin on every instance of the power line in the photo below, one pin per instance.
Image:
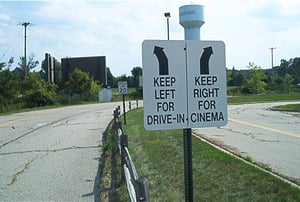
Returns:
(12, 47)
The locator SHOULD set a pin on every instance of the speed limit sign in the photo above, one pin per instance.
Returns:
(122, 85)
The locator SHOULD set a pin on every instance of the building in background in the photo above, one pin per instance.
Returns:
(95, 66)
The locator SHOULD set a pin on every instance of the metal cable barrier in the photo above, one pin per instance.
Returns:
(138, 189)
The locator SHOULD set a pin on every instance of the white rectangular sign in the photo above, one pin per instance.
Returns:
(184, 84)
(163, 87)
(207, 87)
(122, 85)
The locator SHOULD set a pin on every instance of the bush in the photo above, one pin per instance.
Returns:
(37, 92)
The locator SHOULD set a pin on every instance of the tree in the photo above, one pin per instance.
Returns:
(288, 79)
(2, 65)
(256, 82)
(294, 69)
(291, 67)
(9, 89)
(235, 77)
(30, 66)
(278, 83)
(229, 76)
(111, 80)
(10, 62)
(240, 79)
(123, 77)
(283, 68)
(136, 73)
(37, 92)
(82, 84)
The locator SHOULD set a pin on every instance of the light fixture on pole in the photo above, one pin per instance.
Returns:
(168, 15)
(272, 56)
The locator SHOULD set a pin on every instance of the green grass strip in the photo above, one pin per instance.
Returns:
(289, 107)
(263, 98)
(158, 157)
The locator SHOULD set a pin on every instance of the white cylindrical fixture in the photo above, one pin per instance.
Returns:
(191, 18)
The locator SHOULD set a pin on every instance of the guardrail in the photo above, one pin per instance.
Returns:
(138, 189)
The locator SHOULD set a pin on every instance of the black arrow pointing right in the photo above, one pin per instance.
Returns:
(204, 60)
(162, 60)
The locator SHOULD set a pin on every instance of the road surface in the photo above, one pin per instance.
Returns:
(53, 155)
(269, 137)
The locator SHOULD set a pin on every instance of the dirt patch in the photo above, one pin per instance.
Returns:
(111, 175)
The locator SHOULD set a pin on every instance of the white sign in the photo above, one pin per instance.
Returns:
(184, 84)
(122, 85)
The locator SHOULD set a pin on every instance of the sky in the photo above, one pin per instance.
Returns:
(117, 28)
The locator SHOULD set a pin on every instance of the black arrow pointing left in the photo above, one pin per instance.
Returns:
(162, 60)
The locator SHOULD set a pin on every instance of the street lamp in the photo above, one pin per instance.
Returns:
(168, 15)
(272, 55)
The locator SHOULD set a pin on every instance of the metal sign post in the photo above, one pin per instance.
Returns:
(188, 164)
(122, 85)
(124, 111)
(191, 18)
(185, 85)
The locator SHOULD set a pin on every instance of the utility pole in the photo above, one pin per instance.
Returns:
(272, 54)
(25, 24)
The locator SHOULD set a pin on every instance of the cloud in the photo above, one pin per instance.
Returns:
(279, 15)
(4, 17)
(117, 28)
(114, 29)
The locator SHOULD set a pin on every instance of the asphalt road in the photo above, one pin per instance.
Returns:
(52, 155)
(268, 137)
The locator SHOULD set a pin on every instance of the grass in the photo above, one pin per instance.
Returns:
(230, 100)
(289, 107)
(158, 157)
(118, 97)
(263, 98)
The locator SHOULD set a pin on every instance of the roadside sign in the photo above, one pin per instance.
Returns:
(122, 85)
(184, 84)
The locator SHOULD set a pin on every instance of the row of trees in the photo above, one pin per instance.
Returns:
(19, 89)
(132, 81)
(31, 89)
(255, 80)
